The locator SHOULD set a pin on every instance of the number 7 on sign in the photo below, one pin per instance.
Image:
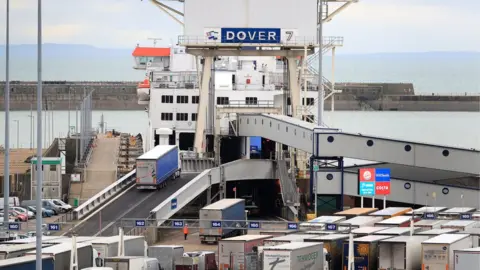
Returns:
(288, 35)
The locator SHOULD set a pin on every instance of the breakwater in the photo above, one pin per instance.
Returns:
(62, 95)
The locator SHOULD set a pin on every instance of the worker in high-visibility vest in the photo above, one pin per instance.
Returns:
(185, 231)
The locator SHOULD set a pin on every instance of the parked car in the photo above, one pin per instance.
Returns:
(45, 212)
(19, 216)
(47, 204)
(24, 211)
(64, 206)
(11, 217)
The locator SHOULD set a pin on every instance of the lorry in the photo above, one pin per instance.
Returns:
(167, 256)
(436, 232)
(398, 221)
(460, 225)
(108, 246)
(233, 252)
(390, 212)
(12, 251)
(364, 231)
(355, 212)
(132, 263)
(429, 224)
(437, 252)
(61, 255)
(365, 252)
(299, 255)
(332, 243)
(397, 231)
(219, 219)
(319, 222)
(27, 263)
(289, 238)
(206, 259)
(455, 212)
(401, 252)
(466, 258)
(157, 166)
(360, 221)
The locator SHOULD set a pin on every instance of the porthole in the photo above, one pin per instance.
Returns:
(330, 139)
(445, 153)
(408, 148)
(407, 185)
(445, 191)
(330, 177)
(369, 143)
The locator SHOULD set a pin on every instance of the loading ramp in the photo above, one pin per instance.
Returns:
(329, 142)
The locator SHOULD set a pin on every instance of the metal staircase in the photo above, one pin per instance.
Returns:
(289, 192)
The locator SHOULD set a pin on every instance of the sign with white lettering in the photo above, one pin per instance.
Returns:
(331, 227)
(292, 226)
(216, 224)
(53, 227)
(466, 216)
(139, 223)
(177, 223)
(429, 215)
(14, 226)
(250, 35)
(254, 225)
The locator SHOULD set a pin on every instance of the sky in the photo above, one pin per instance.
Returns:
(369, 26)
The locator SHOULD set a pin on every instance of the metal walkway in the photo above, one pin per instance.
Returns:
(326, 142)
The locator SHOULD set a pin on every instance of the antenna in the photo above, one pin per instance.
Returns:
(154, 40)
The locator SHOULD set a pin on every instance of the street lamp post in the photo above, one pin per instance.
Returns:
(32, 124)
(6, 183)
(18, 132)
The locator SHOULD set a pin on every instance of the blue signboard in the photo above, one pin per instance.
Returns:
(466, 216)
(367, 189)
(382, 174)
(292, 226)
(254, 225)
(14, 226)
(248, 35)
(360, 255)
(173, 204)
(140, 223)
(216, 224)
(331, 227)
(177, 224)
(53, 227)
(429, 216)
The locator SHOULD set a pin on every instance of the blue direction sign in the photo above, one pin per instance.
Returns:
(140, 223)
(466, 216)
(53, 227)
(429, 216)
(254, 225)
(292, 226)
(331, 227)
(14, 226)
(177, 224)
(216, 224)
(173, 204)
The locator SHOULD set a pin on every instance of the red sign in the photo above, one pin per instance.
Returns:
(367, 175)
(382, 188)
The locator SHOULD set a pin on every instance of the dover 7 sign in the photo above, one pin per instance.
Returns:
(250, 35)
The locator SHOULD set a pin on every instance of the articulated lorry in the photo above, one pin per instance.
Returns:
(219, 219)
(61, 254)
(157, 166)
(298, 255)
(27, 263)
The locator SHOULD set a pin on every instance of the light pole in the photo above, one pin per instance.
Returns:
(18, 132)
(6, 188)
(32, 124)
(39, 173)
(320, 60)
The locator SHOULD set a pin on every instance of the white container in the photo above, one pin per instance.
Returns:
(436, 232)
(363, 231)
(290, 238)
(294, 256)
(319, 222)
(231, 210)
(475, 234)
(132, 263)
(429, 224)
(61, 253)
(466, 258)
(12, 251)
(396, 231)
(401, 253)
(437, 252)
(460, 225)
(231, 251)
(108, 246)
(275, 233)
(426, 209)
(360, 221)
(398, 221)
(456, 212)
(391, 212)
(167, 256)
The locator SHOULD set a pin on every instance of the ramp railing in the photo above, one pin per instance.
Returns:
(103, 196)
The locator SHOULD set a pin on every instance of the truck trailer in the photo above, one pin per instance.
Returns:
(132, 263)
(402, 252)
(13, 251)
(289, 238)
(157, 166)
(332, 243)
(61, 255)
(437, 252)
(27, 263)
(232, 251)
(108, 246)
(365, 252)
(216, 216)
(166, 255)
(466, 258)
(299, 255)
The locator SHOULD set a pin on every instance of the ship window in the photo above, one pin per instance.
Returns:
(308, 118)
(182, 99)
(182, 116)
(195, 99)
(167, 99)
(251, 100)
(308, 101)
(194, 116)
(222, 101)
(167, 116)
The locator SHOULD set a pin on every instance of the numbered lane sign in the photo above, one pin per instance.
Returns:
(53, 227)
(14, 226)
(177, 223)
(331, 227)
(292, 226)
(429, 216)
(140, 223)
(466, 216)
(216, 224)
(254, 225)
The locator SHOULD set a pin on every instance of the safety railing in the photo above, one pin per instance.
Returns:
(217, 41)
(248, 103)
(104, 195)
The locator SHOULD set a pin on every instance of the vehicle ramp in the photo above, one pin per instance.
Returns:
(246, 169)
(329, 142)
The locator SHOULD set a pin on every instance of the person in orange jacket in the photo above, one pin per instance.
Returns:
(185, 231)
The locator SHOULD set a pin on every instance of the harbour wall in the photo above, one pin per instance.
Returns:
(123, 96)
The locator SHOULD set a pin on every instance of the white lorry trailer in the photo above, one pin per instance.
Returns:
(466, 258)
(108, 246)
(298, 255)
(157, 166)
(166, 255)
(437, 252)
(402, 252)
(61, 254)
(233, 252)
